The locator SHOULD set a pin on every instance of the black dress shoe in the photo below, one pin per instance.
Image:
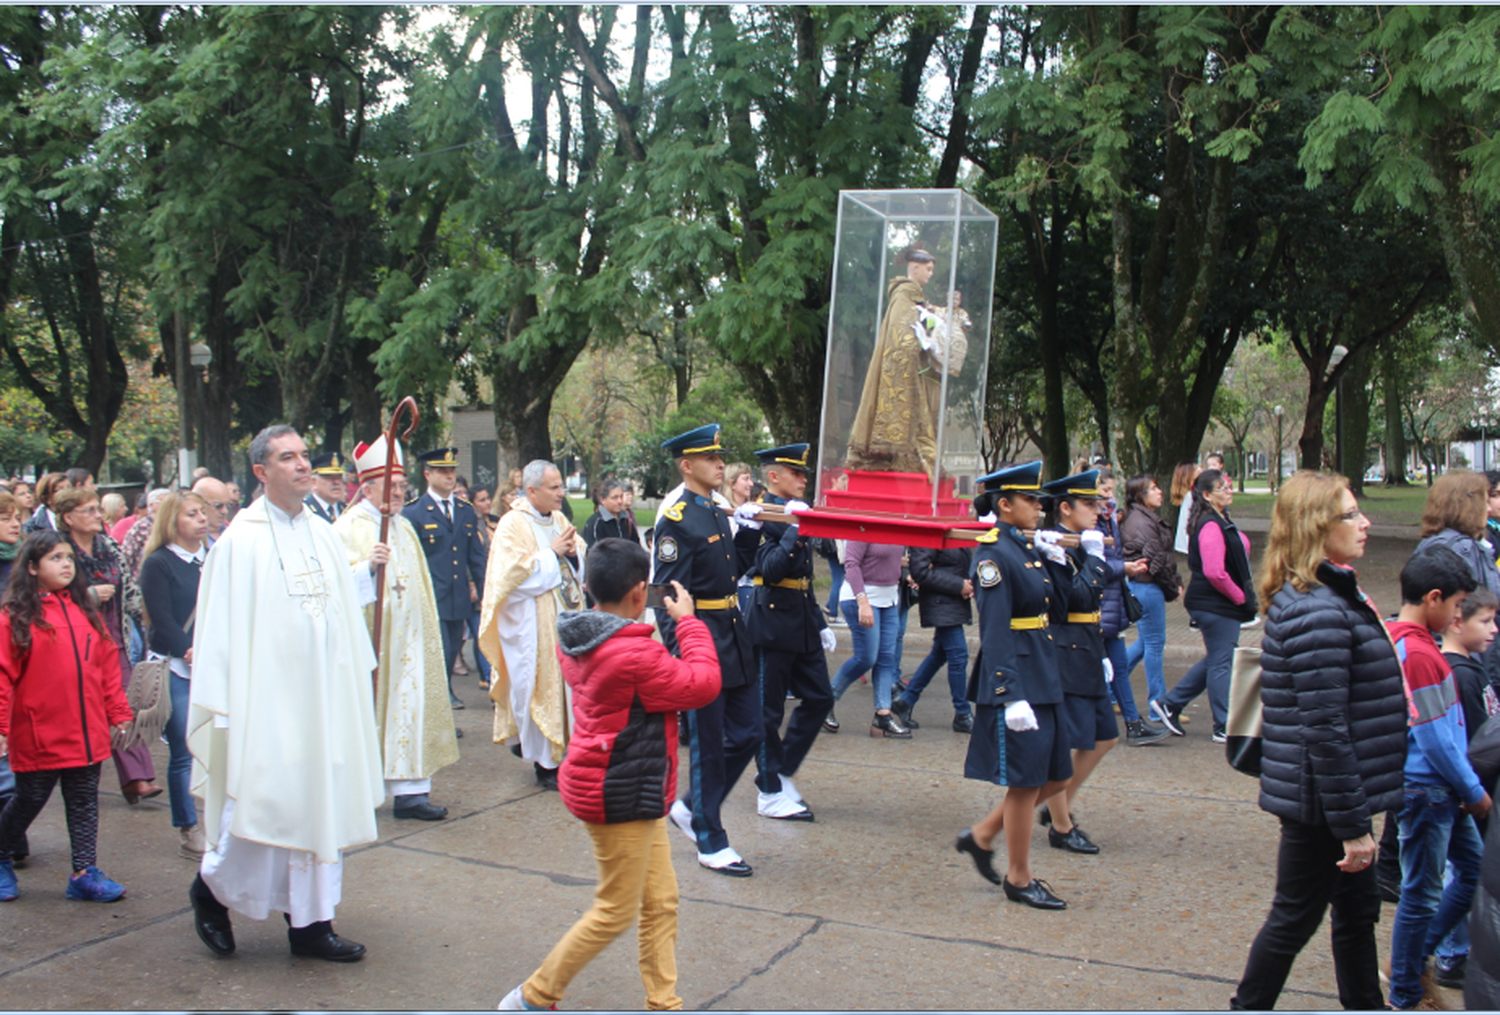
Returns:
(318, 941)
(963, 723)
(545, 777)
(424, 811)
(515, 748)
(1044, 816)
(1037, 895)
(1074, 841)
(901, 710)
(984, 859)
(734, 869)
(211, 918)
(830, 723)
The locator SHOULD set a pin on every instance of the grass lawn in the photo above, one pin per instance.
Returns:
(1383, 505)
(583, 507)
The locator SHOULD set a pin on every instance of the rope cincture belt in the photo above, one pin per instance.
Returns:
(716, 604)
(1029, 623)
(800, 584)
(1084, 618)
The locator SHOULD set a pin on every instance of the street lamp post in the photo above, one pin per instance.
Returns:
(1337, 357)
(200, 356)
(1280, 412)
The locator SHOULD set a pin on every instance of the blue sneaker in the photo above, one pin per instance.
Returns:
(9, 889)
(93, 886)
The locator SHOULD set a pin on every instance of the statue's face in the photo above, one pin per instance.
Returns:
(920, 272)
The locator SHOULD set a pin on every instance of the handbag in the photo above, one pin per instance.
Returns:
(1134, 611)
(1242, 730)
(150, 697)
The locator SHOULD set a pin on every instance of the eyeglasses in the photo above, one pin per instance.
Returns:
(1352, 516)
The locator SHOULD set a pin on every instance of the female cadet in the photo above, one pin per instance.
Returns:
(1087, 719)
(1018, 741)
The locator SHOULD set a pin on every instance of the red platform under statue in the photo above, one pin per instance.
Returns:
(892, 507)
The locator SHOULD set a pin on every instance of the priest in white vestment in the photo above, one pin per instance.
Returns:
(518, 622)
(411, 692)
(281, 725)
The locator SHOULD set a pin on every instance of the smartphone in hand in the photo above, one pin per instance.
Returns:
(657, 594)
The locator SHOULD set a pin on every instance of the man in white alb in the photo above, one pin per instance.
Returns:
(518, 622)
(281, 724)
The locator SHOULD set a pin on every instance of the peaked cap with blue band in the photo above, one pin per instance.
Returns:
(330, 463)
(702, 441)
(1084, 484)
(1025, 479)
(439, 458)
(790, 455)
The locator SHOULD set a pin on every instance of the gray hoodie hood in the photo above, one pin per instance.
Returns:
(580, 631)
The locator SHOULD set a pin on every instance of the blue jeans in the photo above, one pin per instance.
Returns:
(180, 763)
(484, 664)
(899, 655)
(1124, 694)
(948, 645)
(1433, 830)
(1221, 635)
(873, 646)
(836, 573)
(1150, 639)
(1456, 945)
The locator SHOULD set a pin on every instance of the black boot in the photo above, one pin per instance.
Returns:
(545, 777)
(318, 941)
(887, 725)
(901, 710)
(211, 918)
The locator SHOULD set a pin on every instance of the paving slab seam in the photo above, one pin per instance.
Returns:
(768, 965)
(566, 880)
(122, 932)
(436, 825)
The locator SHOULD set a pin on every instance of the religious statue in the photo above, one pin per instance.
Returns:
(895, 427)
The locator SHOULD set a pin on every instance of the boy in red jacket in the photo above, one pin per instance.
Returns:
(620, 773)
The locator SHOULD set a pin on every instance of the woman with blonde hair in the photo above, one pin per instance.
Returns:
(738, 479)
(172, 564)
(1333, 740)
(1455, 516)
(1183, 478)
(114, 508)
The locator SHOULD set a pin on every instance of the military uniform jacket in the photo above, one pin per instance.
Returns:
(1012, 583)
(785, 618)
(318, 509)
(695, 546)
(1080, 644)
(455, 555)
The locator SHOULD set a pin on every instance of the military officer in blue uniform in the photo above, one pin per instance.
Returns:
(1087, 717)
(695, 546)
(329, 492)
(449, 529)
(787, 628)
(1018, 741)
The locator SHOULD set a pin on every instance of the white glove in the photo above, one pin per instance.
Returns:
(746, 512)
(1092, 542)
(1020, 717)
(1109, 672)
(1047, 543)
(793, 507)
(829, 641)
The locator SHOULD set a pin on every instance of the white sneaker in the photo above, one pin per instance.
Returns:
(790, 791)
(682, 817)
(512, 1001)
(782, 807)
(193, 844)
(1250, 624)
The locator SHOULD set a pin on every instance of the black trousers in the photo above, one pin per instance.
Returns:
(722, 738)
(453, 632)
(804, 675)
(80, 793)
(1307, 884)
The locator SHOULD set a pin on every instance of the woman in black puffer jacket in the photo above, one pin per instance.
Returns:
(944, 592)
(1334, 740)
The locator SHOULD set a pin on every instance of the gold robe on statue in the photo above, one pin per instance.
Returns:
(895, 427)
(518, 634)
(411, 700)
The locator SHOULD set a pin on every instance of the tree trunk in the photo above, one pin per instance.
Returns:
(1310, 444)
(1395, 433)
(1357, 417)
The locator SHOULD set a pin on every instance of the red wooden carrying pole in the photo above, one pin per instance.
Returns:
(391, 437)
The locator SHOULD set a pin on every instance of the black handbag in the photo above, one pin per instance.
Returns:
(1134, 611)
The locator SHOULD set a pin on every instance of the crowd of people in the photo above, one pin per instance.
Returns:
(281, 748)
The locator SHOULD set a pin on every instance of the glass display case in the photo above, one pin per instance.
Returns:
(908, 344)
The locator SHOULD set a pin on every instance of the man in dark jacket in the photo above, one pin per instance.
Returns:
(944, 592)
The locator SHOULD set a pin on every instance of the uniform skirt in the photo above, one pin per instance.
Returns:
(1088, 721)
(1031, 759)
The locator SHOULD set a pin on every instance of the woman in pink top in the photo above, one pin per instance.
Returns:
(1220, 596)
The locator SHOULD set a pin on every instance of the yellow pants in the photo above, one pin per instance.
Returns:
(635, 879)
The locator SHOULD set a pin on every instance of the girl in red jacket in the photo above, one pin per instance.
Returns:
(620, 773)
(60, 702)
